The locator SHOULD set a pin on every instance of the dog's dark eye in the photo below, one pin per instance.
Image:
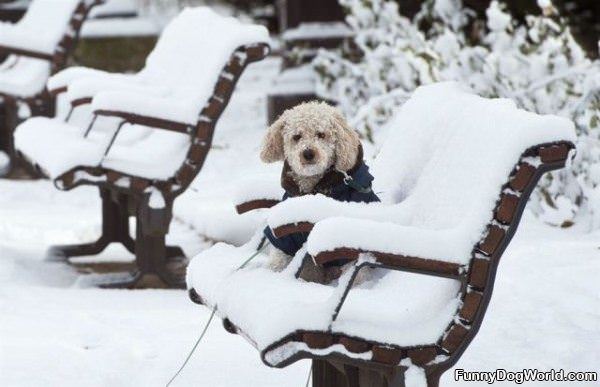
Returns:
(297, 137)
(321, 135)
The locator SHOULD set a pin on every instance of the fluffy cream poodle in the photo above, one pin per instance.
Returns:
(321, 153)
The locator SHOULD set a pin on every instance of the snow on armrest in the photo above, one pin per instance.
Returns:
(310, 209)
(447, 246)
(138, 106)
(257, 192)
(60, 81)
(84, 89)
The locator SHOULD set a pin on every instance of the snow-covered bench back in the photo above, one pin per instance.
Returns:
(182, 90)
(193, 49)
(447, 155)
(449, 152)
(42, 27)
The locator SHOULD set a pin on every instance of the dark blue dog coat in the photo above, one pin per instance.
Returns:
(333, 184)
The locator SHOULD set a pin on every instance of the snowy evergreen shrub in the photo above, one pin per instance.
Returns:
(389, 58)
(538, 65)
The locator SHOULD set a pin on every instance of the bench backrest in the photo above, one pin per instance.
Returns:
(48, 30)
(448, 154)
(192, 50)
(48, 20)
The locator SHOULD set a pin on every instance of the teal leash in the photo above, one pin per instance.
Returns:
(263, 245)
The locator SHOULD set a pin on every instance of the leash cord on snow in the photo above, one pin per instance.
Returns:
(261, 247)
(189, 356)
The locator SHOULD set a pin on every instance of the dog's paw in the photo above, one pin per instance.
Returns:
(278, 260)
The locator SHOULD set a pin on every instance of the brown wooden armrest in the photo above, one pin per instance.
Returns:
(398, 262)
(292, 228)
(57, 91)
(27, 53)
(252, 205)
(81, 101)
(153, 122)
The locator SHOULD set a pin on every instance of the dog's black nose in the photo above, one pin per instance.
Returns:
(308, 154)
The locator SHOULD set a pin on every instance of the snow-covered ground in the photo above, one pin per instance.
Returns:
(545, 312)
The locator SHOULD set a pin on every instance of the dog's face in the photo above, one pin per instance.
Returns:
(311, 137)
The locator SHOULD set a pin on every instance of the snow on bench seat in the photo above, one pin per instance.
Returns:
(129, 154)
(446, 158)
(41, 28)
(267, 306)
(35, 139)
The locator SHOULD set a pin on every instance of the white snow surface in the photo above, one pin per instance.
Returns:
(179, 77)
(440, 171)
(279, 304)
(140, 151)
(316, 30)
(23, 77)
(187, 60)
(120, 27)
(258, 187)
(54, 333)
(41, 28)
(63, 78)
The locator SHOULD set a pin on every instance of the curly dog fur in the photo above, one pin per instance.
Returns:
(312, 137)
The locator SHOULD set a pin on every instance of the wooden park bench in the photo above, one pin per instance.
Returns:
(148, 134)
(454, 175)
(34, 48)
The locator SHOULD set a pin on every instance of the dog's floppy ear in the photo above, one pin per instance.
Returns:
(272, 146)
(347, 143)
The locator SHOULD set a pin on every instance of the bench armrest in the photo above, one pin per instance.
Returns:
(59, 82)
(297, 214)
(256, 193)
(82, 91)
(427, 251)
(6, 49)
(155, 111)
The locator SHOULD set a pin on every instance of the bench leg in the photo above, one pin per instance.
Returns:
(8, 124)
(433, 379)
(115, 229)
(157, 265)
(334, 374)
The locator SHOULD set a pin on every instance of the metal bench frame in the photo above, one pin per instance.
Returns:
(477, 281)
(124, 195)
